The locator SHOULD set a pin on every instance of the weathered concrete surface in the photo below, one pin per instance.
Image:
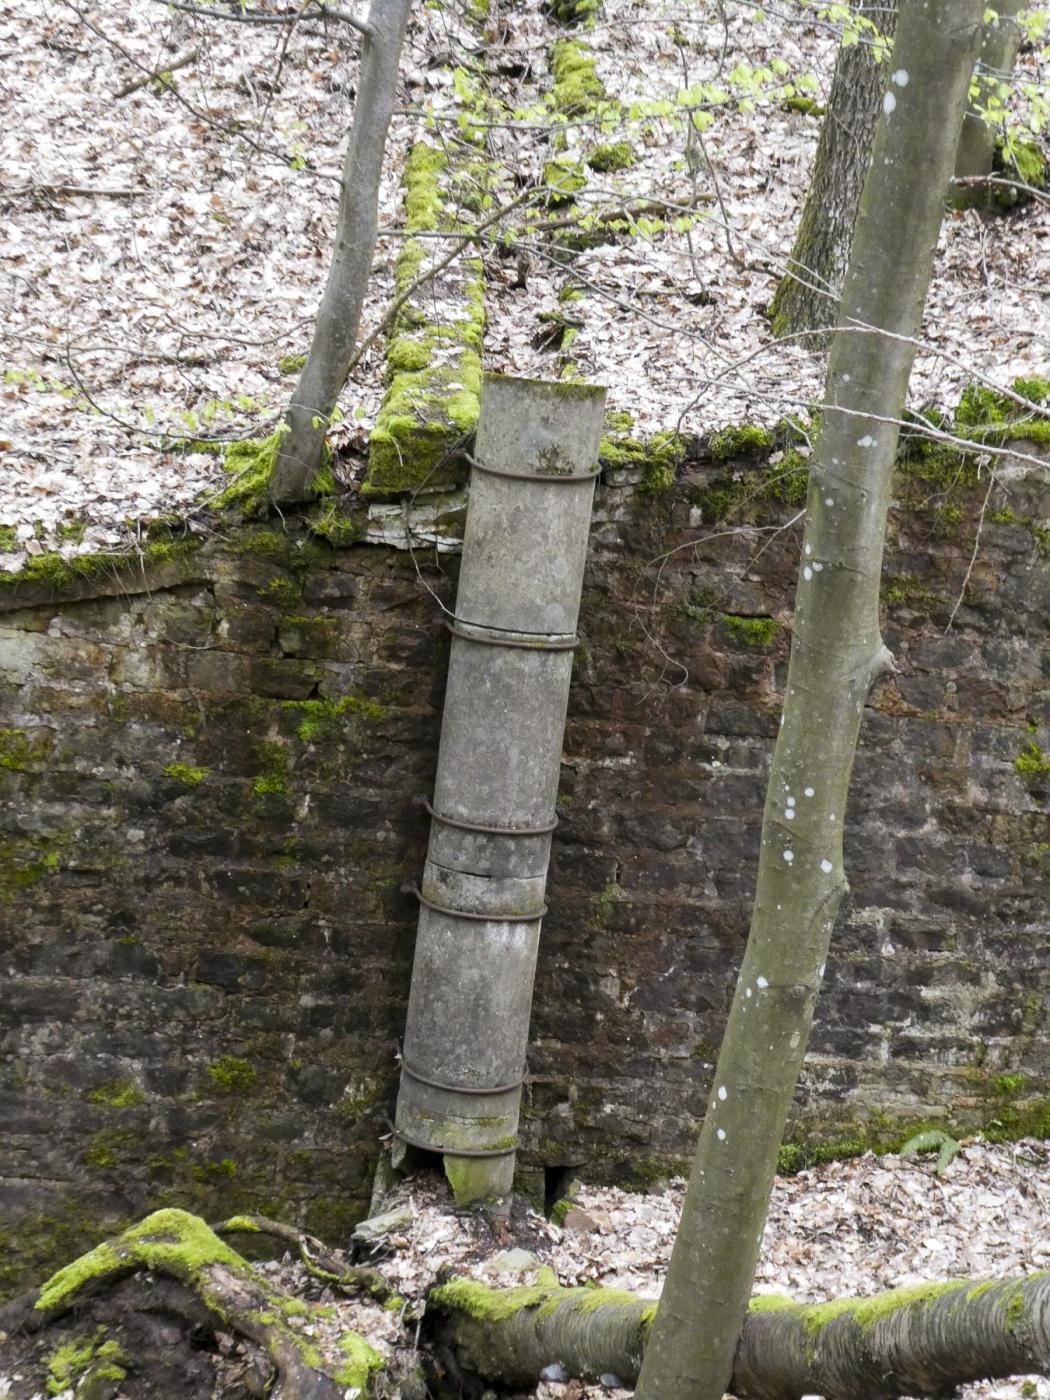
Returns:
(206, 977)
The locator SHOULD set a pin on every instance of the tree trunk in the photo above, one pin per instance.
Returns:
(922, 1341)
(807, 298)
(837, 653)
(302, 450)
(1001, 40)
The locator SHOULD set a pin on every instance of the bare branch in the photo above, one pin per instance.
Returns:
(160, 75)
(260, 17)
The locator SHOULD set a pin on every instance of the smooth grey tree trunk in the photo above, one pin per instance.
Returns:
(1001, 41)
(921, 1341)
(837, 653)
(481, 898)
(807, 298)
(302, 451)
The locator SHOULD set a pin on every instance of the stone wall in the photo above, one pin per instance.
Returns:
(209, 769)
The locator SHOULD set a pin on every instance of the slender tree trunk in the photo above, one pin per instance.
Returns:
(1002, 39)
(808, 296)
(922, 1341)
(339, 316)
(837, 653)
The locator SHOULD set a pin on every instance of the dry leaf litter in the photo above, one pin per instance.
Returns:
(166, 249)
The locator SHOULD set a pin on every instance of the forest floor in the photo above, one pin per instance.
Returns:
(850, 1228)
(166, 242)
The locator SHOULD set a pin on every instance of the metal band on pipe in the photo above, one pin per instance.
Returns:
(554, 479)
(490, 918)
(457, 1088)
(541, 643)
(487, 830)
(455, 1151)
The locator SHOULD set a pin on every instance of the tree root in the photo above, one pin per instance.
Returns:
(235, 1299)
(922, 1341)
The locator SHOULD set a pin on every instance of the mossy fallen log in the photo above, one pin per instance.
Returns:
(921, 1341)
(222, 1290)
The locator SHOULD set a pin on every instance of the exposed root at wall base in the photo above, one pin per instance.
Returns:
(168, 1303)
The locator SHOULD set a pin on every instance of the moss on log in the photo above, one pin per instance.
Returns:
(921, 1341)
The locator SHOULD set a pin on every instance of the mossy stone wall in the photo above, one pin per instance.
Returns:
(208, 782)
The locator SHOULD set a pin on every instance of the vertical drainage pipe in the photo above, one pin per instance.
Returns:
(482, 894)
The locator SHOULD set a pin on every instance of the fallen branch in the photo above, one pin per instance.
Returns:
(161, 74)
(244, 16)
(921, 1341)
(181, 1247)
(320, 1261)
(625, 213)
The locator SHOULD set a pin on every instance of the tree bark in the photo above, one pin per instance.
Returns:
(922, 1341)
(302, 450)
(837, 653)
(999, 45)
(807, 298)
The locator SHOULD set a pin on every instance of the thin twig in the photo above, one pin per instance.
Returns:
(973, 554)
(160, 74)
(260, 17)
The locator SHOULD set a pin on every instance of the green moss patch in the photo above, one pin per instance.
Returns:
(118, 1093)
(756, 633)
(573, 11)
(656, 458)
(231, 1075)
(747, 440)
(1022, 162)
(321, 718)
(433, 394)
(26, 860)
(50, 573)
(577, 89)
(186, 775)
(20, 751)
(613, 156)
(564, 178)
(1031, 761)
